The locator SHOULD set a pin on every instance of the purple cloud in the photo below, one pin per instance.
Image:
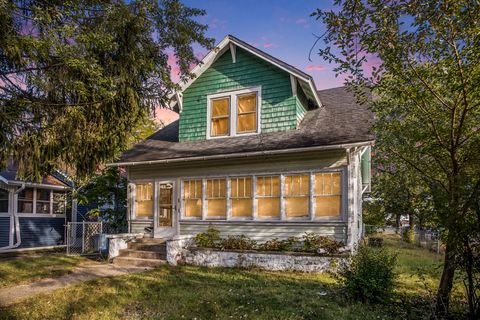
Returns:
(315, 68)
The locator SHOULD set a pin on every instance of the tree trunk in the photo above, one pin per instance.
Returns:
(446, 282)
(397, 222)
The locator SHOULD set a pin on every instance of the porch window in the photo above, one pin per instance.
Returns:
(43, 201)
(247, 113)
(220, 117)
(241, 196)
(296, 196)
(25, 201)
(327, 194)
(59, 202)
(3, 201)
(192, 198)
(216, 198)
(144, 200)
(268, 197)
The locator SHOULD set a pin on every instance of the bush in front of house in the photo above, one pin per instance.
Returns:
(310, 242)
(290, 244)
(313, 243)
(370, 277)
(208, 239)
(238, 243)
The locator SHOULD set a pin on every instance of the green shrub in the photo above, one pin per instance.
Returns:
(408, 235)
(370, 277)
(209, 239)
(375, 242)
(289, 244)
(312, 242)
(238, 243)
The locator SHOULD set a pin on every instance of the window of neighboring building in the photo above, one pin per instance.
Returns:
(192, 198)
(241, 197)
(43, 201)
(144, 200)
(220, 119)
(296, 196)
(328, 194)
(3, 201)
(233, 113)
(216, 198)
(25, 201)
(59, 202)
(268, 196)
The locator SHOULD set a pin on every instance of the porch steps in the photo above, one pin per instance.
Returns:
(145, 252)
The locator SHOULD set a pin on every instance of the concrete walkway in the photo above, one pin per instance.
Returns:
(12, 295)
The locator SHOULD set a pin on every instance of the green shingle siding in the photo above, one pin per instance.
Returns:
(302, 104)
(279, 111)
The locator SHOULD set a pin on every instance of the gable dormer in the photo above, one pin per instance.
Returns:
(240, 90)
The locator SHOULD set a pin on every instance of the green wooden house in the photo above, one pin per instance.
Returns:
(257, 151)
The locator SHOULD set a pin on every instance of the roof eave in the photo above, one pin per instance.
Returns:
(243, 155)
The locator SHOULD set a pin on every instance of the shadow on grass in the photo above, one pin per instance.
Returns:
(192, 292)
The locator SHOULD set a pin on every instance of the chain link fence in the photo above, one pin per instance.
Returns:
(84, 237)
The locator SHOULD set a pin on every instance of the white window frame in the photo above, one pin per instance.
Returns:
(51, 214)
(134, 200)
(282, 217)
(232, 95)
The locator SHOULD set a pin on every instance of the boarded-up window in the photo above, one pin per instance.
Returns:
(328, 194)
(192, 198)
(216, 198)
(144, 200)
(296, 196)
(220, 117)
(268, 197)
(241, 196)
(247, 113)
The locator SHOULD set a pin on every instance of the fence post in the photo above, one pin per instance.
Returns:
(83, 236)
(68, 238)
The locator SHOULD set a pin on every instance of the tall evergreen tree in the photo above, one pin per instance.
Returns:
(78, 78)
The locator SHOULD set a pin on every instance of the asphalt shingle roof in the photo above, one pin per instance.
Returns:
(341, 120)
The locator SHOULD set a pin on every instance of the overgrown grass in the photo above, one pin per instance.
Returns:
(188, 292)
(27, 269)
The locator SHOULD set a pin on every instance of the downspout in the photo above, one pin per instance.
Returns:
(16, 221)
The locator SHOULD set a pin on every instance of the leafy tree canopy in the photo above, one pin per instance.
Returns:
(77, 78)
(420, 58)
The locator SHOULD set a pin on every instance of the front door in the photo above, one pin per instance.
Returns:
(164, 222)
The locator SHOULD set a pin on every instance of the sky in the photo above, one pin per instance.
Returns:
(282, 28)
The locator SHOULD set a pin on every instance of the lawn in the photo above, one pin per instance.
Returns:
(198, 293)
(27, 269)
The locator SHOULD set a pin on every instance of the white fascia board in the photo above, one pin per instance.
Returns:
(211, 57)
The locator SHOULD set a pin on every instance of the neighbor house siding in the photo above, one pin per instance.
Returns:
(41, 232)
(4, 231)
(279, 107)
(262, 231)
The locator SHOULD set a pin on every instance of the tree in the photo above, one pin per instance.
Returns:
(427, 99)
(77, 78)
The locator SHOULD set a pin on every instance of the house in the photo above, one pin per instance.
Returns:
(256, 151)
(32, 215)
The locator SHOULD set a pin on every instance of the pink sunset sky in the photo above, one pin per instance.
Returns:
(282, 28)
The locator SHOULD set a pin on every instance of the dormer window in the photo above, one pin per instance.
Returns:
(234, 113)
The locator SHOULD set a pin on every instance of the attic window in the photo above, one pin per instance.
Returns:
(234, 113)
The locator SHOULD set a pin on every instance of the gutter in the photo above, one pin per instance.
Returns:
(244, 155)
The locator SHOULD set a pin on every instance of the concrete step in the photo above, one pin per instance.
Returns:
(137, 262)
(142, 254)
(139, 246)
(150, 240)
